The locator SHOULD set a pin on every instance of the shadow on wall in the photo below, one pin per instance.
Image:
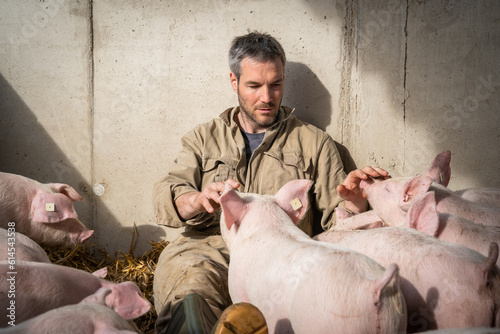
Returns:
(307, 94)
(20, 133)
(312, 102)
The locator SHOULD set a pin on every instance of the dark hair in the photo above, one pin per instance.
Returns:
(261, 47)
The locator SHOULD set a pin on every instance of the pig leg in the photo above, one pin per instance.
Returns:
(194, 262)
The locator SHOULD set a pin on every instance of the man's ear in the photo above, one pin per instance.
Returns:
(234, 81)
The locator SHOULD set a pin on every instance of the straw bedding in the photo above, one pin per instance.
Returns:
(121, 267)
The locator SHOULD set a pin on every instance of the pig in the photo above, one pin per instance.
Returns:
(301, 285)
(444, 285)
(17, 246)
(484, 196)
(43, 212)
(90, 316)
(39, 287)
(424, 217)
(392, 198)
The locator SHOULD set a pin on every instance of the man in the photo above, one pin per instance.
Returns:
(257, 147)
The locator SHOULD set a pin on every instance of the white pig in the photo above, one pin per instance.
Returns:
(301, 285)
(423, 216)
(43, 212)
(90, 316)
(37, 287)
(445, 285)
(17, 246)
(392, 198)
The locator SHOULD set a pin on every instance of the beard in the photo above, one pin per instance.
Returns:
(250, 113)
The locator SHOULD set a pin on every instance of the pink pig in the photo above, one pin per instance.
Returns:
(424, 217)
(90, 316)
(392, 198)
(17, 246)
(43, 212)
(445, 285)
(36, 288)
(301, 285)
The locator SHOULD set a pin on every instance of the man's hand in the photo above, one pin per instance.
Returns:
(349, 190)
(208, 200)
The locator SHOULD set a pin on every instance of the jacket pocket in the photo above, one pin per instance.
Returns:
(218, 170)
(294, 164)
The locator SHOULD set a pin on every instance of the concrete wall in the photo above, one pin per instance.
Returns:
(98, 93)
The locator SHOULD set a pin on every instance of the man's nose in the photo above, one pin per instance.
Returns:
(265, 95)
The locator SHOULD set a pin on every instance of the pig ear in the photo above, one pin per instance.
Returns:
(127, 300)
(51, 208)
(423, 216)
(293, 198)
(440, 171)
(233, 207)
(417, 186)
(101, 273)
(67, 190)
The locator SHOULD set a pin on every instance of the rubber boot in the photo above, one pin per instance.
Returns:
(192, 316)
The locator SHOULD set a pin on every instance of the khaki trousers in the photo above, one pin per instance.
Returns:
(194, 262)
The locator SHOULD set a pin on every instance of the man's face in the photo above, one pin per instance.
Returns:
(260, 90)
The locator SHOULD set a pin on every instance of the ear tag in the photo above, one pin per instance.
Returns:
(296, 203)
(49, 207)
(441, 176)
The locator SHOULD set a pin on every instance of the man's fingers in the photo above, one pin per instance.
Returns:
(373, 172)
(233, 183)
(342, 190)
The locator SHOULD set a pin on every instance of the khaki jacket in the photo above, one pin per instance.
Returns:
(291, 149)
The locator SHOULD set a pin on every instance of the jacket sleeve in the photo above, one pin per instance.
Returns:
(184, 176)
(330, 173)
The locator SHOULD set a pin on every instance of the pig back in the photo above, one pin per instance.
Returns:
(445, 285)
(16, 194)
(25, 249)
(40, 287)
(317, 288)
(360, 295)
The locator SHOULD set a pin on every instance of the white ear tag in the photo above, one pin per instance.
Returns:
(49, 207)
(296, 203)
